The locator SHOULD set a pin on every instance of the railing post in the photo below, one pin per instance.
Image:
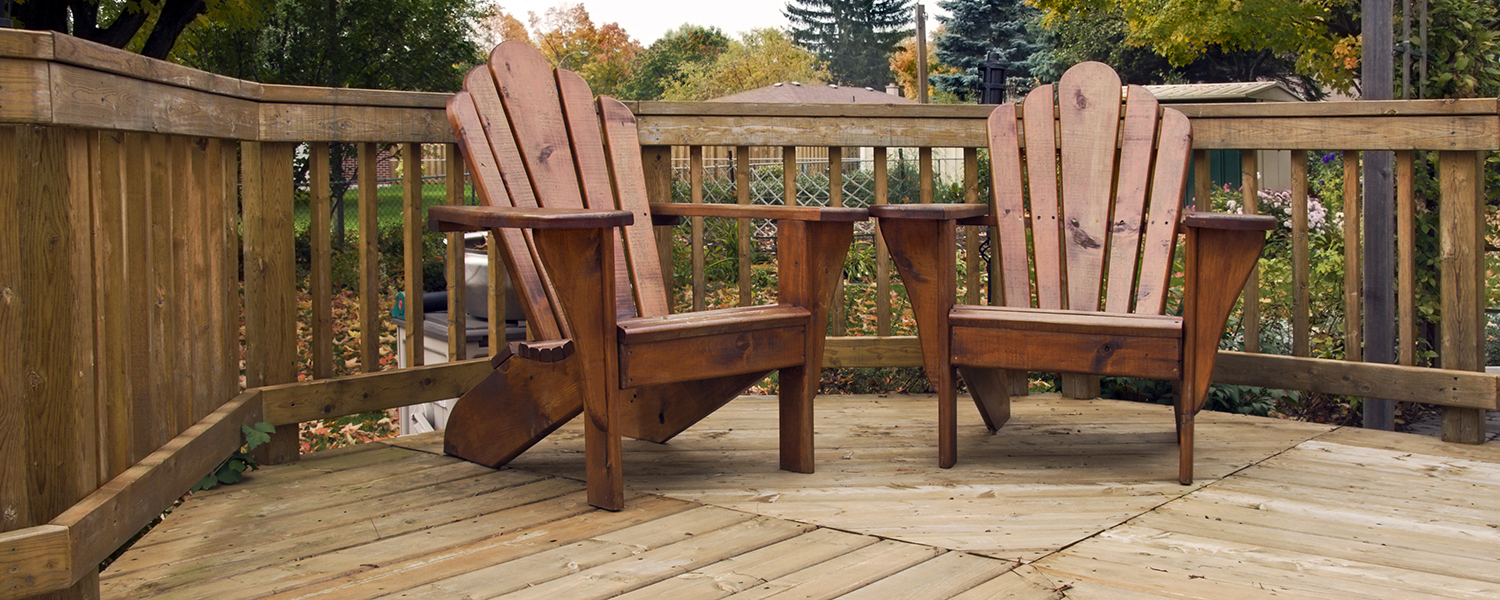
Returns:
(1461, 234)
(48, 432)
(270, 286)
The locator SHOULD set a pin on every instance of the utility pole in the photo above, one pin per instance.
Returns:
(921, 54)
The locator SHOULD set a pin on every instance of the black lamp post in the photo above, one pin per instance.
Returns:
(992, 80)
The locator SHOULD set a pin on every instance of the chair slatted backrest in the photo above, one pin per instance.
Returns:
(533, 137)
(1101, 192)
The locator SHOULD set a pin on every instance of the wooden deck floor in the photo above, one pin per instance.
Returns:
(1073, 499)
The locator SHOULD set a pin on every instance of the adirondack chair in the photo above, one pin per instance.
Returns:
(561, 180)
(1099, 248)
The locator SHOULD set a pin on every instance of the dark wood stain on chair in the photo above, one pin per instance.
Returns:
(1085, 245)
(560, 177)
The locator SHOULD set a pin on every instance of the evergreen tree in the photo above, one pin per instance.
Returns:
(976, 28)
(855, 37)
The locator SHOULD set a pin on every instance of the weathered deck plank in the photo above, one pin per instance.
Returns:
(1073, 499)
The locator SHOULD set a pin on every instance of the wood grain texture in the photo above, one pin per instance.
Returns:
(1353, 259)
(587, 301)
(370, 315)
(1406, 265)
(114, 407)
(627, 174)
(14, 465)
(1250, 297)
(1089, 106)
(1301, 329)
(1042, 188)
(137, 357)
(922, 252)
(810, 260)
(475, 218)
(456, 271)
(593, 169)
(1064, 352)
(780, 213)
(162, 307)
(412, 250)
(1396, 382)
(695, 236)
(722, 353)
(270, 280)
(1011, 252)
(1460, 243)
(34, 561)
(1168, 182)
(116, 512)
(326, 399)
(1128, 217)
(320, 277)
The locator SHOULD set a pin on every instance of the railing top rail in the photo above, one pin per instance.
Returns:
(55, 79)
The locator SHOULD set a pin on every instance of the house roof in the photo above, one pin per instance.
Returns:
(807, 93)
(1251, 91)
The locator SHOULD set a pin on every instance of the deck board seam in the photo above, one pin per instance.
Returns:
(1182, 496)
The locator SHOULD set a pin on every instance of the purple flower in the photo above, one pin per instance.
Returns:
(1328, 158)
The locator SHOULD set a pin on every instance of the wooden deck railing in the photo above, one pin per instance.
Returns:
(133, 193)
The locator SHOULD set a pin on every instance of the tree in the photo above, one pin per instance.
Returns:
(567, 36)
(973, 30)
(759, 58)
(129, 19)
(904, 64)
(381, 44)
(1103, 37)
(855, 37)
(662, 64)
(1314, 36)
(497, 26)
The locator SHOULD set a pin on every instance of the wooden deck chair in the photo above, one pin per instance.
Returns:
(561, 181)
(1085, 265)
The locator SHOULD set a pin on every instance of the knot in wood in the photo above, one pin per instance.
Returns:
(1080, 100)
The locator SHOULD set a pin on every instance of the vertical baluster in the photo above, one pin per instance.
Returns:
(839, 312)
(411, 187)
(370, 327)
(974, 263)
(695, 191)
(458, 321)
(1353, 313)
(924, 176)
(1301, 327)
(1406, 263)
(230, 278)
(1461, 235)
(882, 256)
(743, 196)
(215, 240)
(320, 284)
(789, 175)
(1250, 197)
(270, 286)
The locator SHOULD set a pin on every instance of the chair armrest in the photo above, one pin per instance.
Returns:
(1211, 220)
(476, 218)
(760, 211)
(930, 212)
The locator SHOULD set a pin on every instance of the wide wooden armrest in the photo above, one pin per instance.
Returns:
(760, 211)
(930, 212)
(479, 218)
(1212, 220)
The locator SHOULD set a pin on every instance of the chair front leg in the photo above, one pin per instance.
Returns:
(923, 251)
(581, 262)
(810, 262)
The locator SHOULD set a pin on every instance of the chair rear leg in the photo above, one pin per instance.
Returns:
(1184, 412)
(511, 409)
(990, 388)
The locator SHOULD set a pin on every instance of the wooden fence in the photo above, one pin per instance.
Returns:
(134, 194)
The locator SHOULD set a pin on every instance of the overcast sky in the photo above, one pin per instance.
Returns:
(646, 20)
